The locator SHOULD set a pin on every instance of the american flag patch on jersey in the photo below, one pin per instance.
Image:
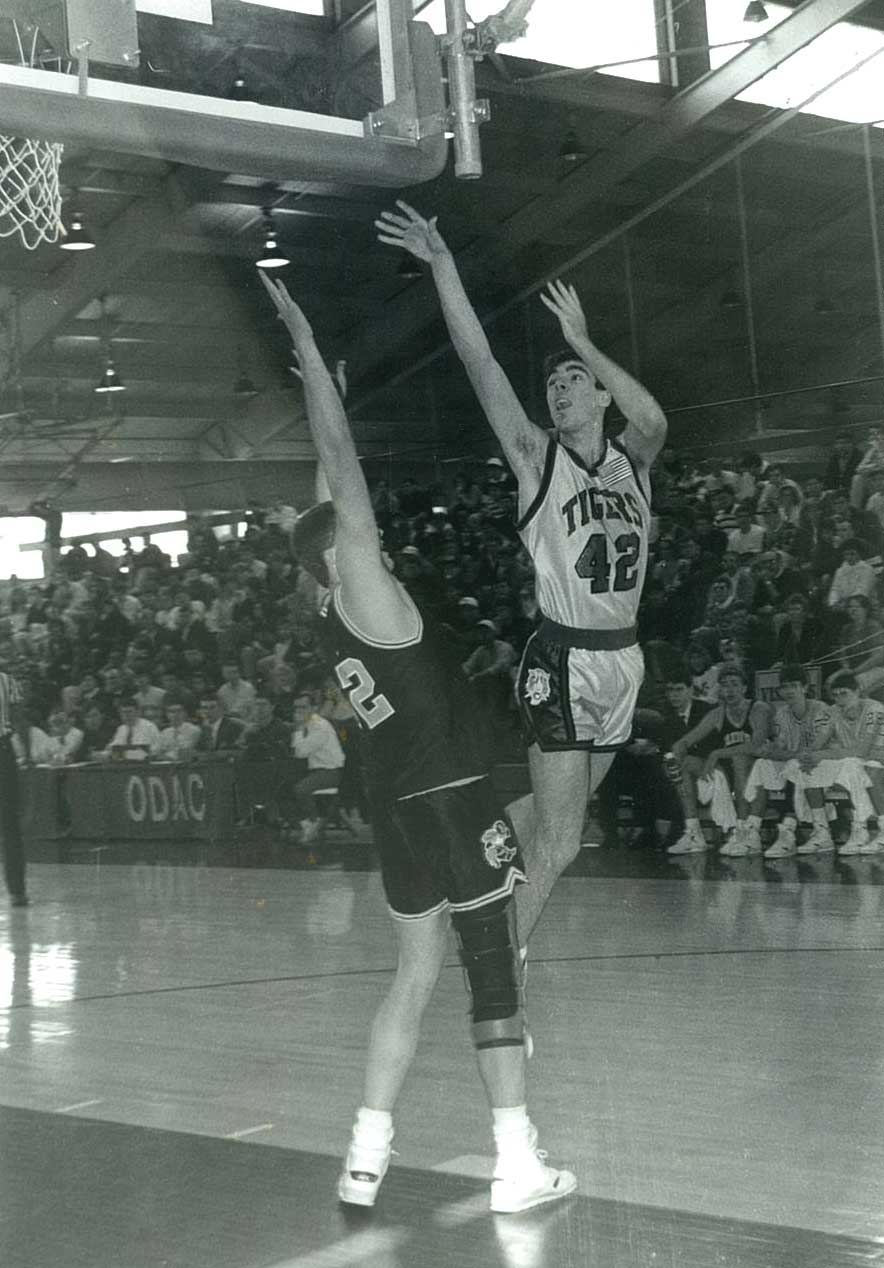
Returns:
(617, 468)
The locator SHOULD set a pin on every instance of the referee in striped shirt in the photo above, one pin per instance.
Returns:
(10, 824)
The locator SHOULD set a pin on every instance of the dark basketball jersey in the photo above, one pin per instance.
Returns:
(730, 729)
(413, 703)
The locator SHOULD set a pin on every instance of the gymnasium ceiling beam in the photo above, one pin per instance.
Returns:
(646, 141)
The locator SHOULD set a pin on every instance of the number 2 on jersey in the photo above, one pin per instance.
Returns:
(594, 566)
(355, 679)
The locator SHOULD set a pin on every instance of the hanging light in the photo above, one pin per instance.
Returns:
(409, 269)
(731, 298)
(110, 381)
(244, 386)
(273, 256)
(571, 149)
(77, 239)
(756, 12)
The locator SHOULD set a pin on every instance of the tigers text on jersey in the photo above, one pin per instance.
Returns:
(412, 700)
(587, 533)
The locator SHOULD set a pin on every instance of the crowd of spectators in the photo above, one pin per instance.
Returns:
(751, 563)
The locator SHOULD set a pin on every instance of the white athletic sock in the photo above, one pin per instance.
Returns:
(512, 1128)
(754, 821)
(693, 825)
(790, 823)
(819, 817)
(373, 1126)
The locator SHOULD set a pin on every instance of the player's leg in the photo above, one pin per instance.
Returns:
(422, 943)
(485, 866)
(765, 776)
(740, 766)
(691, 840)
(742, 839)
(876, 794)
(489, 952)
(820, 839)
(852, 775)
(561, 783)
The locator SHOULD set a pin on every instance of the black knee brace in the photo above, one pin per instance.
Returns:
(489, 952)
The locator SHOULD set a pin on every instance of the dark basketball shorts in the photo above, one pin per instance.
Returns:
(450, 848)
(577, 697)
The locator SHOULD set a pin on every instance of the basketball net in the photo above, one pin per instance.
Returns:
(30, 200)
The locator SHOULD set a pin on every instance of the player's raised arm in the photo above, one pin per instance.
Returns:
(645, 431)
(371, 594)
(522, 441)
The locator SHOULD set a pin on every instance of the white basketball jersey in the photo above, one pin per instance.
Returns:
(587, 533)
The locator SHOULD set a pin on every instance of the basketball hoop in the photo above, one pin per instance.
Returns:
(30, 200)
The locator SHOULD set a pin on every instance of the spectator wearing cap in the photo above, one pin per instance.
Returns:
(854, 575)
(489, 668)
(493, 657)
(419, 577)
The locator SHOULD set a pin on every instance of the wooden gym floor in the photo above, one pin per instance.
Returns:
(181, 1051)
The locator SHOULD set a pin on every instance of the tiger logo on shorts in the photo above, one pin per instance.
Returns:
(494, 844)
(537, 686)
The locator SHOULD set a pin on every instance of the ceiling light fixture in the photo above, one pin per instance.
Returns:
(571, 149)
(731, 298)
(110, 381)
(244, 386)
(76, 238)
(756, 12)
(273, 256)
(409, 269)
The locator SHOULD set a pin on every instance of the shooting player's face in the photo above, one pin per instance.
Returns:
(573, 397)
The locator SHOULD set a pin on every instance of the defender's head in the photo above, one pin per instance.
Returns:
(313, 537)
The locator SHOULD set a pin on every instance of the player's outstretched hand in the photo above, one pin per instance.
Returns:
(564, 303)
(289, 313)
(410, 231)
(340, 375)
